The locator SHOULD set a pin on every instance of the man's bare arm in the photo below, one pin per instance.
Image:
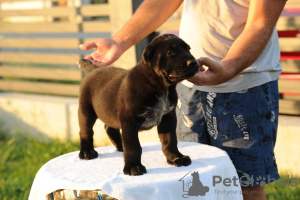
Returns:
(148, 17)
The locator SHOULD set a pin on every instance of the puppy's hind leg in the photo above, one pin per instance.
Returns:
(115, 137)
(87, 118)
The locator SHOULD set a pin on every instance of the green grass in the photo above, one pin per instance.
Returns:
(21, 158)
(281, 190)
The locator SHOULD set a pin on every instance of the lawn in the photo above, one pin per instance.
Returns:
(21, 157)
(281, 191)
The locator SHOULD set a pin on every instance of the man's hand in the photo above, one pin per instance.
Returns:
(216, 72)
(107, 51)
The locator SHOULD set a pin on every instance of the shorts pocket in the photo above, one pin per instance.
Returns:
(266, 95)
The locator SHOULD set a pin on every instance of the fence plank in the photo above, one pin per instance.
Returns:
(96, 27)
(86, 11)
(289, 107)
(292, 4)
(291, 97)
(59, 27)
(95, 10)
(41, 73)
(21, 0)
(88, 40)
(39, 58)
(289, 86)
(53, 12)
(290, 66)
(288, 23)
(45, 43)
(289, 44)
(39, 87)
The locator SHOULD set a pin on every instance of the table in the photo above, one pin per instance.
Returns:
(204, 177)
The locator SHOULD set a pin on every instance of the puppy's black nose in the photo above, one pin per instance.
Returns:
(192, 62)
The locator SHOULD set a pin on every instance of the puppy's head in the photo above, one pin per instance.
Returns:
(170, 58)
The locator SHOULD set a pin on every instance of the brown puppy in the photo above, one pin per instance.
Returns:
(135, 100)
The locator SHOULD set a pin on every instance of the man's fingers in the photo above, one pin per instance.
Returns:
(88, 46)
(207, 62)
(96, 63)
(99, 64)
(200, 61)
(201, 69)
(199, 79)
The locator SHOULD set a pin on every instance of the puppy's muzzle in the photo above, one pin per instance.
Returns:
(188, 69)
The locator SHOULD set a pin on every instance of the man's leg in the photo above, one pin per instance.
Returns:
(244, 124)
(256, 193)
(191, 125)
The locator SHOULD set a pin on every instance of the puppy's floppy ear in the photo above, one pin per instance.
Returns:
(148, 53)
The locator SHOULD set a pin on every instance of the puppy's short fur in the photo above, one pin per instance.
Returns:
(135, 100)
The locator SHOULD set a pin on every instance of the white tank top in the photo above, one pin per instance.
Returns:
(211, 26)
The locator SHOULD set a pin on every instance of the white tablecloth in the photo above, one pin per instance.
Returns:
(162, 181)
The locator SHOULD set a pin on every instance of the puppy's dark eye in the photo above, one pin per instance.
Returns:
(170, 52)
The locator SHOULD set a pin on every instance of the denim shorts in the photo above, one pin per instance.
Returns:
(244, 124)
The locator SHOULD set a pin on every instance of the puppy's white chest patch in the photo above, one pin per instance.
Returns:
(154, 114)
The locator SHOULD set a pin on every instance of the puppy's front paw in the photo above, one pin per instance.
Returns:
(183, 161)
(135, 170)
(88, 155)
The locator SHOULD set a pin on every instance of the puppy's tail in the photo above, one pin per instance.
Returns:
(87, 65)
